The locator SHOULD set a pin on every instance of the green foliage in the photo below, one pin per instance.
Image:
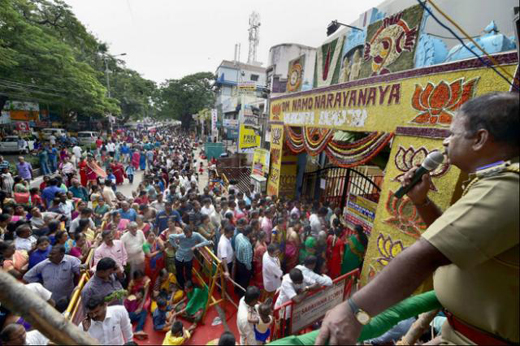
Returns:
(40, 63)
(134, 94)
(181, 98)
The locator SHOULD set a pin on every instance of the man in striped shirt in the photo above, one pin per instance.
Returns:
(244, 259)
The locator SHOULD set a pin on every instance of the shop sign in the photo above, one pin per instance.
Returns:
(248, 138)
(361, 211)
(230, 123)
(261, 162)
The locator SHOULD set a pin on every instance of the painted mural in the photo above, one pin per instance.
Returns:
(328, 63)
(390, 44)
(295, 74)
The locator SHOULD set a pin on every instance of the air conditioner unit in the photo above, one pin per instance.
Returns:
(259, 183)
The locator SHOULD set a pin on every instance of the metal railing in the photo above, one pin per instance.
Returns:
(281, 324)
(74, 311)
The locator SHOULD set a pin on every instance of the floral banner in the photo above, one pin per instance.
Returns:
(315, 140)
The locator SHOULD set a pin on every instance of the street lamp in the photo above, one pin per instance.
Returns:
(334, 25)
(107, 71)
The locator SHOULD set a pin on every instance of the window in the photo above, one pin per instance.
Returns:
(254, 77)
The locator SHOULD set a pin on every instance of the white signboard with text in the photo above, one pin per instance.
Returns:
(313, 308)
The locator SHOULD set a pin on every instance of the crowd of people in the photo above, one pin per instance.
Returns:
(140, 249)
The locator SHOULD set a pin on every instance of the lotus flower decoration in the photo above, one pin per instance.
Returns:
(406, 159)
(438, 103)
(404, 216)
(388, 249)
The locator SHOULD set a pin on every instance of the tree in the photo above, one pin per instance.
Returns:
(38, 62)
(181, 98)
(134, 93)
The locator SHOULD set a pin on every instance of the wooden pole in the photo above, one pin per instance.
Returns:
(40, 314)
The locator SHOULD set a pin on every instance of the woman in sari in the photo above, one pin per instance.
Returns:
(154, 259)
(119, 172)
(258, 254)
(136, 157)
(142, 161)
(292, 245)
(309, 248)
(139, 282)
(355, 248)
(141, 225)
(335, 248)
(82, 167)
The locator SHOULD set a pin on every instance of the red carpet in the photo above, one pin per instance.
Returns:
(204, 332)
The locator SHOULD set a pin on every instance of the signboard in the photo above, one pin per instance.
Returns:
(313, 308)
(261, 162)
(248, 138)
(22, 106)
(214, 118)
(273, 183)
(230, 123)
(22, 126)
(246, 87)
(361, 211)
(383, 103)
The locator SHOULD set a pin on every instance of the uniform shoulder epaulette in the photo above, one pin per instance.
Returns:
(497, 168)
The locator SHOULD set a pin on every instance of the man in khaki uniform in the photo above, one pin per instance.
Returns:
(473, 247)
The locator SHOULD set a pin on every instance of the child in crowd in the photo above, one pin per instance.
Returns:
(177, 334)
(129, 170)
(262, 323)
(162, 317)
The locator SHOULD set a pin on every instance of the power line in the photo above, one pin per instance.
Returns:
(484, 62)
(31, 85)
(446, 37)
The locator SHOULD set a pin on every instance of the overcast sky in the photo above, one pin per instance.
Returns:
(168, 39)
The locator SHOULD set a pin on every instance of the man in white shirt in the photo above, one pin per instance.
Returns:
(308, 271)
(315, 221)
(77, 151)
(108, 325)
(246, 306)
(133, 241)
(294, 287)
(271, 269)
(207, 208)
(225, 249)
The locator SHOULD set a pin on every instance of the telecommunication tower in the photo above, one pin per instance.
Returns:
(254, 36)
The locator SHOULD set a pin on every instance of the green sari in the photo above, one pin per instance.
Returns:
(353, 256)
(309, 248)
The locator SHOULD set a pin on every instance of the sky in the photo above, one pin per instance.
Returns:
(168, 39)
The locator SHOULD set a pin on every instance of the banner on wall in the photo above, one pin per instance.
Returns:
(288, 172)
(361, 211)
(248, 138)
(261, 162)
(273, 182)
(428, 97)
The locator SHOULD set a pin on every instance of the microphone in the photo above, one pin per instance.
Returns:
(430, 163)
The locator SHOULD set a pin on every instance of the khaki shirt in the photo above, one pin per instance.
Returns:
(479, 235)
